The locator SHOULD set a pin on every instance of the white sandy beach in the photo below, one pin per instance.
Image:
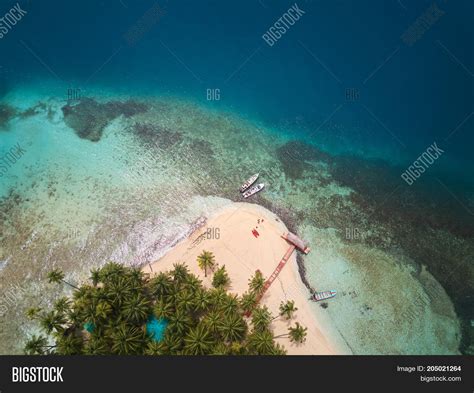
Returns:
(229, 236)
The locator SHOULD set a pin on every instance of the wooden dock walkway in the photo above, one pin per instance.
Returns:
(277, 271)
(295, 243)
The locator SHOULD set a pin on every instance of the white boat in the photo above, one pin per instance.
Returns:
(318, 296)
(248, 183)
(253, 190)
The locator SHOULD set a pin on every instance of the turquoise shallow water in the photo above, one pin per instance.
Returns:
(141, 155)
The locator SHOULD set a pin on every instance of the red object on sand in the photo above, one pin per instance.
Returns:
(255, 233)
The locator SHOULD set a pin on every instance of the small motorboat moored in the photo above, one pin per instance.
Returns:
(318, 296)
(253, 190)
(249, 182)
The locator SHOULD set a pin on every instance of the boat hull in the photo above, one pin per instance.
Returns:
(320, 296)
(253, 190)
(248, 183)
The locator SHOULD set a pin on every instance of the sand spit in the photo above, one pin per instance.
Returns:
(228, 234)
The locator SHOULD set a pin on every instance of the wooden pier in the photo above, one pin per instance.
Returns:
(295, 242)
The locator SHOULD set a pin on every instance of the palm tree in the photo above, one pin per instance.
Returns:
(261, 342)
(102, 311)
(163, 309)
(33, 313)
(127, 340)
(136, 308)
(56, 276)
(180, 322)
(161, 285)
(193, 283)
(213, 320)
(221, 278)
(172, 297)
(136, 274)
(118, 290)
(96, 346)
(94, 311)
(95, 277)
(220, 349)
(62, 305)
(248, 302)
(287, 309)
(296, 334)
(69, 345)
(261, 319)
(84, 292)
(185, 300)
(206, 261)
(257, 282)
(155, 348)
(202, 300)
(36, 345)
(52, 321)
(218, 297)
(172, 343)
(229, 305)
(278, 350)
(233, 328)
(74, 316)
(237, 348)
(179, 273)
(198, 341)
(110, 271)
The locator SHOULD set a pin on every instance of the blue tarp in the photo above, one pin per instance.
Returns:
(155, 328)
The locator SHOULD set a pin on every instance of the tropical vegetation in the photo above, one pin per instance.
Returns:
(109, 314)
(221, 278)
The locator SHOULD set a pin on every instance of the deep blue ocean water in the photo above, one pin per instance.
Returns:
(341, 76)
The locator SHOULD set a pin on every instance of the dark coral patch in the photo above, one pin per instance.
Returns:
(7, 112)
(128, 108)
(34, 110)
(293, 156)
(154, 135)
(202, 153)
(423, 205)
(89, 118)
(202, 148)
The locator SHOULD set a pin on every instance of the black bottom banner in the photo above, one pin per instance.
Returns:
(337, 373)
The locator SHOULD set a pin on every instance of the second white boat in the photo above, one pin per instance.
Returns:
(253, 190)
